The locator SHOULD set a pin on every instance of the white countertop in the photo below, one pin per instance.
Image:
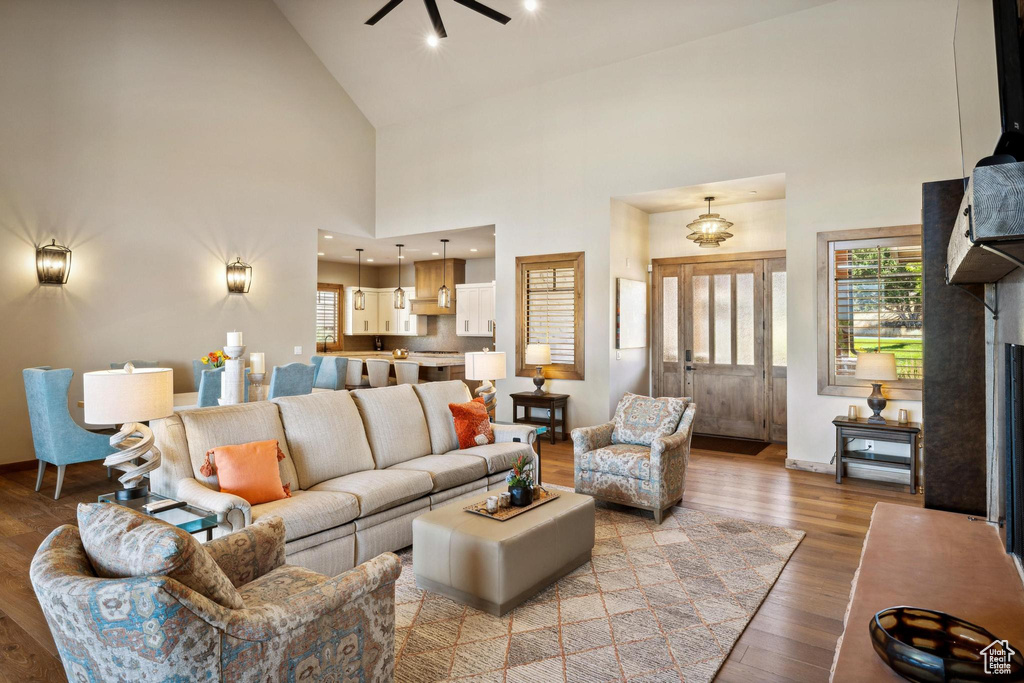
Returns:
(429, 360)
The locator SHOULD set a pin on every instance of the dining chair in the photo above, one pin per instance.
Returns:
(293, 379)
(57, 438)
(378, 369)
(136, 363)
(354, 377)
(209, 387)
(407, 372)
(330, 372)
(197, 373)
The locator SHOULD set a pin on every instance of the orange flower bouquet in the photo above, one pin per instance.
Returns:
(214, 359)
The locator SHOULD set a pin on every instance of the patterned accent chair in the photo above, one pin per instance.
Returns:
(295, 624)
(640, 457)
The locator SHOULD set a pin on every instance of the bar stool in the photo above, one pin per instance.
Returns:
(407, 372)
(354, 377)
(378, 370)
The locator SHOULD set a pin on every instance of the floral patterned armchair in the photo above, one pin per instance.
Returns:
(296, 624)
(639, 458)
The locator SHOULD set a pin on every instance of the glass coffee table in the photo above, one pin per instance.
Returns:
(188, 517)
(539, 430)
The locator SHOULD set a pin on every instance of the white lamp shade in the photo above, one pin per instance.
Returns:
(880, 367)
(117, 397)
(481, 365)
(538, 354)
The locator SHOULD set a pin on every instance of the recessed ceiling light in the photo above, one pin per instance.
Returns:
(369, 260)
(530, 5)
(474, 249)
(319, 253)
(401, 257)
(433, 40)
(435, 253)
(328, 237)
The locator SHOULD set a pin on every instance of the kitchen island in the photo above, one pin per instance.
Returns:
(434, 366)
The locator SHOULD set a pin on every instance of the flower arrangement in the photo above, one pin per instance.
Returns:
(214, 359)
(521, 473)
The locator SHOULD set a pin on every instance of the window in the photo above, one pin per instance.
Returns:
(549, 295)
(328, 317)
(870, 300)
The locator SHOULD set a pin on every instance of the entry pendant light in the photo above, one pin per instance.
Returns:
(399, 293)
(710, 229)
(444, 295)
(359, 298)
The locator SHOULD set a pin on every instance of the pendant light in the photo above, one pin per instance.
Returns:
(710, 229)
(444, 295)
(359, 298)
(399, 293)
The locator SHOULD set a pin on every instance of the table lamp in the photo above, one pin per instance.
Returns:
(129, 397)
(539, 355)
(486, 366)
(876, 368)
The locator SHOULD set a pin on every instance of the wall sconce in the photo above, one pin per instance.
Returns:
(53, 263)
(239, 277)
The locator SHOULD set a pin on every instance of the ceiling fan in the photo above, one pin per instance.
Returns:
(435, 15)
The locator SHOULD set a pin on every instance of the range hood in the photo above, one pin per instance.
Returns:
(430, 275)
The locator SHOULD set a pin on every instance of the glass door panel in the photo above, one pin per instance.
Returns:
(701, 329)
(670, 320)
(723, 319)
(745, 319)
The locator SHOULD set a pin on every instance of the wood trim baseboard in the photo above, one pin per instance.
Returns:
(815, 466)
(717, 258)
(19, 466)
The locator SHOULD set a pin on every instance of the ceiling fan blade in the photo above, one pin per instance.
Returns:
(392, 4)
(485, 10)
(435, 18)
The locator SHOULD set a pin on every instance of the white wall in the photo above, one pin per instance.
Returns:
(757, 226)
(160, 139)
(629, 369)
(854, 101)
(479, 270)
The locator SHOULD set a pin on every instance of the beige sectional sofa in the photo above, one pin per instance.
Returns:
(361, 465)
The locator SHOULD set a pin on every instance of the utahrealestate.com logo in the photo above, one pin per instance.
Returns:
(997, 657)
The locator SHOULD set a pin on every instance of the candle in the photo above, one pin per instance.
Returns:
(234, 338)
(257, 363)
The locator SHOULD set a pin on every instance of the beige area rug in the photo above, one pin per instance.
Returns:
(656, 603)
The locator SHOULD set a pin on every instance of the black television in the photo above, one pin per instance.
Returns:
(988, 48)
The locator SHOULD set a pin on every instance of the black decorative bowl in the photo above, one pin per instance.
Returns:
(932, 647)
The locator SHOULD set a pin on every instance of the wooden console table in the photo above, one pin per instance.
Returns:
(851, 432)
(528, 401)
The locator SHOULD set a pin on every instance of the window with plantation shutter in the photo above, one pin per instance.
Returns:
(874, 304)
(328, 317)
(549, 290)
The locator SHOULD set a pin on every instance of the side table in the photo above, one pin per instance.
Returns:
(188, 517)
(855, 444)
(528, 401)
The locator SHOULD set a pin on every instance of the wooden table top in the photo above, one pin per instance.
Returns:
(539, 397)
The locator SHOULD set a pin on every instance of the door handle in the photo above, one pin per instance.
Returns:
(690, 368)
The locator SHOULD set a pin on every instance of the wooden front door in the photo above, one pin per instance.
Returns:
(714, 342)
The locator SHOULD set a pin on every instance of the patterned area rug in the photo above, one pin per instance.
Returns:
(656, 603)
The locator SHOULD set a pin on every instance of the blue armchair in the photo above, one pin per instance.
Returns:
(209, 387)
(57, 438)
(293, 379)
(330, 372)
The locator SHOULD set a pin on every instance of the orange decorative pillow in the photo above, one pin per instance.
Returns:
(248, 470)
(472, 423)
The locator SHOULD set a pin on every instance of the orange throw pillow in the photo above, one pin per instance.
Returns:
(248, 470)
(472, 423)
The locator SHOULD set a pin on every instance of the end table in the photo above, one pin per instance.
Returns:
(528, 401)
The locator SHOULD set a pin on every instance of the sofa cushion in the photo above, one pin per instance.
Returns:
(498, 456)
(123, 543)
(309, 512)
(378, 490)
(624, 460)
(435, 397)
(325, 436)
(394, 422)
(639, 420)
(207, 428)
(248, 470)
(451, 469)
(280, 584)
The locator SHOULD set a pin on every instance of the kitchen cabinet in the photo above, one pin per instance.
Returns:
(380, 317)
(474, 310)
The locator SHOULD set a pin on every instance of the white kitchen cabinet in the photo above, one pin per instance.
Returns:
(380, 317)
(474, 310)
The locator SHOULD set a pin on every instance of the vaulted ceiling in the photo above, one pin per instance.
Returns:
(393, 76)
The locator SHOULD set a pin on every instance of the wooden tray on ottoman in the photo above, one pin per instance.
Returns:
(541, 496)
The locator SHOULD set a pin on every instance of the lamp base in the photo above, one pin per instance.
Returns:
(489, 393)
(140, 491)
(538, 381)
(136, 457)
(877, 403)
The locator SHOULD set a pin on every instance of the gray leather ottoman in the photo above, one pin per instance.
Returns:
(494, 565)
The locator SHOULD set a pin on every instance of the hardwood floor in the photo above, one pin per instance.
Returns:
(792, 637)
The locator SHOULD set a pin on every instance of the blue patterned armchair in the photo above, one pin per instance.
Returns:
(638, 459)
(296, 624)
